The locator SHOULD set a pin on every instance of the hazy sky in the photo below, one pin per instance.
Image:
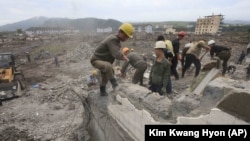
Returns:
(124, 10)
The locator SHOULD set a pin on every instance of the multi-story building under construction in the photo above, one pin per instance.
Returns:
(209, 25)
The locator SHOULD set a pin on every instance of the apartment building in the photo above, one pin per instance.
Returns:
(209, 25)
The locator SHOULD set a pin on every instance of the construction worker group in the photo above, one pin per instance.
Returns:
(166, 52)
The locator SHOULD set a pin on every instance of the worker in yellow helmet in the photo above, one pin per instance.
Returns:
(132, 50)
(136, 61)
(109, 50)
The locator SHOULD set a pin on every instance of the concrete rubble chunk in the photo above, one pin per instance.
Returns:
(237, 104)
(133, 120)
(216, 116)
(198, 90)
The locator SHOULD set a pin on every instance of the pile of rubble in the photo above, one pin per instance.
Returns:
(82, 52)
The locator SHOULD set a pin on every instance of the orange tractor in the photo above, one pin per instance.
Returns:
(12, 81)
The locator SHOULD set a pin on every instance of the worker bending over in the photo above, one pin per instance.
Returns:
(136, 61)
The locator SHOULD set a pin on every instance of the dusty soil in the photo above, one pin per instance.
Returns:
(47, 112)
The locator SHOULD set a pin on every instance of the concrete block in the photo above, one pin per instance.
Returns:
(146, 75)
(237, 104)
(131, 119)
(198, 90)
(127, 104)
(219, 117)
(239, 122)
(119, 98)
(189, 120)
(247, 60)
(216, 116)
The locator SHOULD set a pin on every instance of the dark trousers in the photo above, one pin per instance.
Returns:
(240, 60)
(225, 56)
(182, 62)
(174, 66)
(156, 88)
(190, 58)
(169, 86)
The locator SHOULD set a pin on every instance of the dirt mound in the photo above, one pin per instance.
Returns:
(14, 134)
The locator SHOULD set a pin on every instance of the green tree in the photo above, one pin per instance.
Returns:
(19, 31)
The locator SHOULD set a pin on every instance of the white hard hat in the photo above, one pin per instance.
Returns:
(210, 42)
(160, 44)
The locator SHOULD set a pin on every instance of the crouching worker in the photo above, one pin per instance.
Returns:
(105, 54)
(136, 61)
(222, 53)
(160, 71)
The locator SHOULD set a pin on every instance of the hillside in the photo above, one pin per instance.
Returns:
(83, 24)
(35, 22)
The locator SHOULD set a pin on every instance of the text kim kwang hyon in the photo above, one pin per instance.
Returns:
(195, 134)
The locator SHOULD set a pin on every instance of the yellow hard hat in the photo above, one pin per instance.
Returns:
(94, 72)
(131, 49)
(124, 50)
(128, 29)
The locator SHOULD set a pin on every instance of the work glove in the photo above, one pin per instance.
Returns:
(122, 75)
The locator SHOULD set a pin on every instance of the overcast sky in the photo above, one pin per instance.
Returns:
(124, 10)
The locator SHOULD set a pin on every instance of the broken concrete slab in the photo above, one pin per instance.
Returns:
(142, 98)
(247, 60)
(216, 116)
(208, 77)
(103, 125)
(132, 107)
(237, 104)
(130, 118)
(184, 104)
(228, 96)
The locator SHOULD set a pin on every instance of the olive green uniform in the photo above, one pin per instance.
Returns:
(136, 61)
(159, 75)
(105, 54)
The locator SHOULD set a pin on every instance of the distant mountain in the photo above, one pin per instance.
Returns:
(237, 22)
(36, 21)
(90, 24)
(83, 24)
(57, 22)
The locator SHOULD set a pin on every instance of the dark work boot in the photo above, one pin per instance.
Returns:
(103, 91)
(113, 82)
